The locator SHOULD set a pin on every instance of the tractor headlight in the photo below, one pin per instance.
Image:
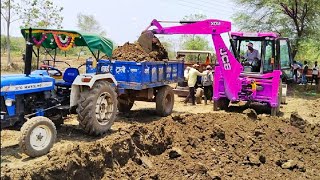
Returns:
(9, 102)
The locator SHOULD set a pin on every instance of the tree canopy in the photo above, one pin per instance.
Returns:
(88, 23)
(41, 14)
(194, 42)
(296, 19)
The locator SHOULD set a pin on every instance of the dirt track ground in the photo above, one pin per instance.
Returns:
(195, 143)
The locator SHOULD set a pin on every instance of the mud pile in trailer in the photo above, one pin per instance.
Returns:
(134, 52)
(184, 146)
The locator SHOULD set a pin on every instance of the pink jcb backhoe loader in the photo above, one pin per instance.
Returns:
(235, 80)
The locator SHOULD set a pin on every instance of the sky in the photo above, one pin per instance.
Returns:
(123, 20)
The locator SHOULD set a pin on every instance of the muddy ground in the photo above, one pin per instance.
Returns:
(199, 144)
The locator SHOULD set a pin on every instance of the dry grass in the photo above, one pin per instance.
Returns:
(18, 64)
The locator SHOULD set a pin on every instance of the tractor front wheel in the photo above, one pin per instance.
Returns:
(97, 108)
(38, 135)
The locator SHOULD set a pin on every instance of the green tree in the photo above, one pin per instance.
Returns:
(194, 42)
(88, 23)
(169, 44)
(296, 19)
(41, 14)
(9, 12)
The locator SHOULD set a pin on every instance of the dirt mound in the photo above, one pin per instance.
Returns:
(185, 146)
(130, 51)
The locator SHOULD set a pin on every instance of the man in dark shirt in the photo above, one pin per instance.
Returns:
(304, 72)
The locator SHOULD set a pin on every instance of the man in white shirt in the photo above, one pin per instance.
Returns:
(315, 73)
(192, 80)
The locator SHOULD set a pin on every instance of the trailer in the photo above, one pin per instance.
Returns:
(142, 81)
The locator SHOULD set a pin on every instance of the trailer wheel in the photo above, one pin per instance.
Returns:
(275, 110)
(97, 108)
(125, 105)
(221, 104)
(38, 135)
(164, 101)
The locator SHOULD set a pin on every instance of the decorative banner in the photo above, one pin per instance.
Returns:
(64, 44)
(63, 41)
(38, 43)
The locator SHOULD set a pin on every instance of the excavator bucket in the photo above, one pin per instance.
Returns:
(145, 40)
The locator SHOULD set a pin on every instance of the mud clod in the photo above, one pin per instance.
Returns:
(214, 175)
(297, 121)
(251, 113)
(218, 133)
(175, 153)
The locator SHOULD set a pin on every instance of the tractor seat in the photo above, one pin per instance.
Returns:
(68, 77)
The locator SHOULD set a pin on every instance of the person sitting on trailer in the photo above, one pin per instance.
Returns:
(192, 80)
(253, 57)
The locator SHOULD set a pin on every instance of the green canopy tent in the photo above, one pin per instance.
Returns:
(48, 38)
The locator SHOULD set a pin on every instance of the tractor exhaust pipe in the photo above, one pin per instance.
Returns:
(28, 56)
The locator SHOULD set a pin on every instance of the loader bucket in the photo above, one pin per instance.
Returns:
(145, 40)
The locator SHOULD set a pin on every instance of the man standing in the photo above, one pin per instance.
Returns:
(207, 81)
(315, 73)
(192, 80)
(295, 67)
(253, 57)
(304, 72)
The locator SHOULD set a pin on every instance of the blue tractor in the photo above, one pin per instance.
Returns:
(39, 100)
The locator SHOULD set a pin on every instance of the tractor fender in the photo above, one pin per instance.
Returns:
(89, 81)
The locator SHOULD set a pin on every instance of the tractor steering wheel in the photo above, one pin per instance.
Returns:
(48, 68)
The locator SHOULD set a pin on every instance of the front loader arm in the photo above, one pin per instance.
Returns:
(229, 66)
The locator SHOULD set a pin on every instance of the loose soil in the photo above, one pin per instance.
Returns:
(134, 52)
(193, 145)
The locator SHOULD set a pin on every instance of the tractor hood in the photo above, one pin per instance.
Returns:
(15, 84)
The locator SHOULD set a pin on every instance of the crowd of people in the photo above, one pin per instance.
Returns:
(191, 75)
(304, 69)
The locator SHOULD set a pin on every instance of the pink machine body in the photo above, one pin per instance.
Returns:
(230, 81)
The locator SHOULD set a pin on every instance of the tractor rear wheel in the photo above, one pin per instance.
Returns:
(38, 135)
(97, 108)
(164, 101)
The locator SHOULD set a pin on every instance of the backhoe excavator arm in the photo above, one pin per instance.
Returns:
(230, 67)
